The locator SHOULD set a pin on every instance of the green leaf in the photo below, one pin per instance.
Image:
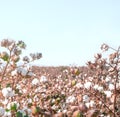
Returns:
(19, 114)
(38, 109)
(8, 85)
(26, 116)
(81, 115)
(14, 107)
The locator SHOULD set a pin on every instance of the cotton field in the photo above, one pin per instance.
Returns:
(65, 91)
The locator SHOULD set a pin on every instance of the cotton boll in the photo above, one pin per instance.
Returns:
(86, 98)
(87, 85)
(100, 88)
(96, 87)
(37, 89)
(5, 101)
(29, 100)
(11, 104)
(79, 85)
(118, 85)
(2, 111)
(43, 79)
(7, 92)
(24, 91)
(29, 112)
(18, 86)
(70, 99)
(31, 74)
(108, 94)
(22, 71)
(92, 103)
(65, 111)
(35, 81)
(14, 73)
(7, 114)
(35, 98)
(87, 105)
(108, 79)
(111, 86)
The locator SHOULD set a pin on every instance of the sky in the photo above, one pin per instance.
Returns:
(66, 32)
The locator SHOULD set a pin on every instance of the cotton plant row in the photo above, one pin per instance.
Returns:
(70, 93)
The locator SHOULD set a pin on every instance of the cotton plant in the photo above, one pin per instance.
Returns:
(14, 67)
(106, 79)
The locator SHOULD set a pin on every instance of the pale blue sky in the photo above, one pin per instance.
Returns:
(65, 31)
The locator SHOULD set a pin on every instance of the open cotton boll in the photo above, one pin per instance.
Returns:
(108, 94)
(2, 111)
(7, 92)
(31, 74)
(108, 79)
(14, 73)
(100, 88)
(43, 79)
(79, 85)
(86, 98)
(5, 101)
(111, 86)
(87, 85)
(35, 81)
(12, 104)
(96, 87)
(7, 114)
(70, 99)
(22, 71)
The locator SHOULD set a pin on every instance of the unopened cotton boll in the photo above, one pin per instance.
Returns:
(35, 81)
(43, 79)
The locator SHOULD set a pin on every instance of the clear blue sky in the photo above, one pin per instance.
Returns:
(65, 31)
